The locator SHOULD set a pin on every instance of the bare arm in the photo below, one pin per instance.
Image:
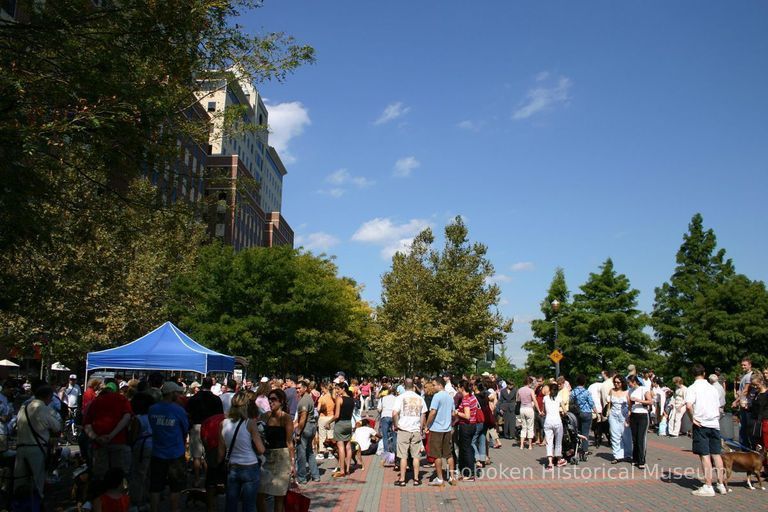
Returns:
(256, 437)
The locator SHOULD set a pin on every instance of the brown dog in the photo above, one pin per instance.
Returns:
(748, 462)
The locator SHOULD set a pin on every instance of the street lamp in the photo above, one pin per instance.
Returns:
(555, 307)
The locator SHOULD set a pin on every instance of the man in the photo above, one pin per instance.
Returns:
(72, 395)
(409, 416)
(201, 406)
(169, 430)
(291, 397)
(304, 429)
(506, 407)
(587, 408)
(598, 421)
(744, 403)
(448, 386)
(703, 406)
(35, 424)
(7, 415)
(340, 377)
(365, 440)
(714, 379)
(386, 426)
(632, 370)
(105, 424)
(440, 431)
(226, 397)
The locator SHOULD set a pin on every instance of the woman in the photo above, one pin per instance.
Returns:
(493, 403)
(678, 408)
(326, 406)
(261, 397)
(760, 410)
(539, 423)
(479, 441)
(281, 457)
(640, 401)
(553, 425)
(527, 398)
(621, 436)
(467, 412)
(240, 444)
(342, 428)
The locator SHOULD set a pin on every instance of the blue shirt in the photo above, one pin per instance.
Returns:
(169, 425)
(584, 399)
(443, 404)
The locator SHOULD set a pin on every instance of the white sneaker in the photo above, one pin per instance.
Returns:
(437, 482)
(704, 490)
(721, 489)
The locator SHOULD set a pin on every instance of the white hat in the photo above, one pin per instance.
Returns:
(485, 374)
(73, 376)
(264, 379)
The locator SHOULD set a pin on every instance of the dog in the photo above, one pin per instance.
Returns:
(748, 462)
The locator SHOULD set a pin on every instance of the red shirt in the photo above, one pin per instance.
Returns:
(105, 413)
(88, 397)
(469, 400)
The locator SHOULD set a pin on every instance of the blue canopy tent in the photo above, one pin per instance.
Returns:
(165, 348)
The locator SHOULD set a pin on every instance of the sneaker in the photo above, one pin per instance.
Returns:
(721, 489)
(704, 490)
(319, 456)
(437, 482)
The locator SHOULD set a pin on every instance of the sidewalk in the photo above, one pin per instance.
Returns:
(516, 480)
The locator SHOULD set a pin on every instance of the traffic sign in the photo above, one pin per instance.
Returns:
(556, 356)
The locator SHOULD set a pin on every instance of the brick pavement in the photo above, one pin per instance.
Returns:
(516, 480)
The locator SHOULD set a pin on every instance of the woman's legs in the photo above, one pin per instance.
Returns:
(617, 432)
(341, 451)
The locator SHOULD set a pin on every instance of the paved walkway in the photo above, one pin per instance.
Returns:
(516, 481)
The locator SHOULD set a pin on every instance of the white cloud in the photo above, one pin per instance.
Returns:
(470, 125)
(318, 241)
(390, 236)
(543, 97)
(341, 178)
(498, 278)
(523, 266)
(391, 112)
(405, 166)
(286, 122)
(523, 319)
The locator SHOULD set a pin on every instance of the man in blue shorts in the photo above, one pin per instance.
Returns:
(703, 404)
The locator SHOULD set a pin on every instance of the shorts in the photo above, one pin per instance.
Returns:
(196, 449)
(170, 472)
(440, 445)
(706, 441)
(408, 443)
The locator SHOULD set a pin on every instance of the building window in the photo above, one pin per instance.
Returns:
(211, 106)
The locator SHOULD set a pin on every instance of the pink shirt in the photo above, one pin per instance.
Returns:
(526, 396)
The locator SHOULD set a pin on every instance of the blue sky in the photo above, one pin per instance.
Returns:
(564, 132)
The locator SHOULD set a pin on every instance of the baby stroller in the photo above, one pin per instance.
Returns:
(572, 451)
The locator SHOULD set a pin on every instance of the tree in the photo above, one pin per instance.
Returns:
(604, 327)
(438, 310)
(92, 100)
(539, 348)
(286, 310)
(700, 267)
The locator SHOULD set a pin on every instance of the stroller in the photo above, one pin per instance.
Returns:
(572, 451)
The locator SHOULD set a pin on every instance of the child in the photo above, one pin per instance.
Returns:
(114, 498)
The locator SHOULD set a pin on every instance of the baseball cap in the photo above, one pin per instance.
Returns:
(264, 379)
(73, 376)
(341, 374)
(170, 387)
(631, 368)
(111, 386)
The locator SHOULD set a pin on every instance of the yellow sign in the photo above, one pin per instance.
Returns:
(556, 356)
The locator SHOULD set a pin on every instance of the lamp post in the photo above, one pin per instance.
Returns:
(555, 307)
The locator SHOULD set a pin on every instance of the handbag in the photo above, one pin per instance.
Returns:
(296, 502)
(232, 444)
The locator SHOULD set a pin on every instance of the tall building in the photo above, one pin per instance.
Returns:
(239, 142)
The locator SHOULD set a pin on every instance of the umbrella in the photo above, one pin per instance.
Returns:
(57, 366)
(6, 362)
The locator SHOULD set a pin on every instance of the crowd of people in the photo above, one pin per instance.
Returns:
(144, 437)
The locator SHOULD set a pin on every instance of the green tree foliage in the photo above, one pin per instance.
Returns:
(284, 309)
(706, 312)
(437, 308)
(91, 100)
(539, 348)
(605, 328)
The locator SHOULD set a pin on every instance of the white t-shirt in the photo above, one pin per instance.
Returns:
(72, 393)
(386, 403)
(594, 390)
(409, 406)
(552, 410)
(362, 436)
(450, 389)
(638, 394)
(706, 403)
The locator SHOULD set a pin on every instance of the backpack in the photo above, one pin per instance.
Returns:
(210, 430)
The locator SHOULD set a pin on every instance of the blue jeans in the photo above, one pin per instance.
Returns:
(242, 486)
(585, 423)
(387, 434)
(305, 456)
(479, 442)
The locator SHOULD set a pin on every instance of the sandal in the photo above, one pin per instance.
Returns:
(562, 462)
(400, 483)
(338, 474)
(416, 483)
